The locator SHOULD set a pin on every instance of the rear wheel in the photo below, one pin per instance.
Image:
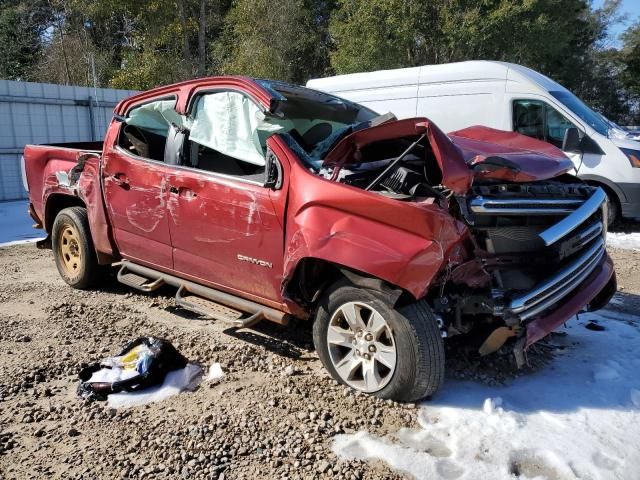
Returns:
(370, 346)
(73, 248)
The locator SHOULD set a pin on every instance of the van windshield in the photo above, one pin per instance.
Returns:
(577, 106)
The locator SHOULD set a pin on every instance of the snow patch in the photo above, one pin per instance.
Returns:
(577, 418)
(626, 241)
(186, 378)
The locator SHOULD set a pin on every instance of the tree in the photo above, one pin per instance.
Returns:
(22, 25)
(280, 41)
(394, 33)
(630, 56)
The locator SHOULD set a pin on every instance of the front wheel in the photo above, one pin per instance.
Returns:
(73, 248)
(612, 209)
(370, 346)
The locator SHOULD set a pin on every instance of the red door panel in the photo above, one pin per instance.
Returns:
(226, 232)
(135, 193)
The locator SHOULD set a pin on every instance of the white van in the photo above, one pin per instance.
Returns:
(507, 97)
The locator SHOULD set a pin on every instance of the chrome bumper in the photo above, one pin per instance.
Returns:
(587, 242)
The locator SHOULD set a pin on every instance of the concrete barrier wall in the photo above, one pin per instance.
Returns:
(36, 113)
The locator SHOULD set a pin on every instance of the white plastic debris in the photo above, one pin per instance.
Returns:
(215, 373)
(175, 382)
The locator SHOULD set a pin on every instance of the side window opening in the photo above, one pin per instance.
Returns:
(227, 136)
(145, 129)
(528, 118)
(538, 120)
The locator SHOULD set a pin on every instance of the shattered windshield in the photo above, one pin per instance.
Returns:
(315, 120)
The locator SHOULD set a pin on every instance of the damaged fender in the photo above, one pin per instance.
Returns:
(405, 244)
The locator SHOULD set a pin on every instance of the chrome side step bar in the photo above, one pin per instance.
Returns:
(140, 282)
(201, 295)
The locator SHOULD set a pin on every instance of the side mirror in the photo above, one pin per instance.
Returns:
(273, 172)
(174, 146)
(571, 141)
(589, 145)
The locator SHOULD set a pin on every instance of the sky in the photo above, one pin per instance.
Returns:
(629, 7)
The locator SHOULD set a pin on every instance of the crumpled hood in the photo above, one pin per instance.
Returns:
(509, 156)
(456, 175)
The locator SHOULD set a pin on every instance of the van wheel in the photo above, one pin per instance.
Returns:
(372, 347)
(73, 248)
(612, 209)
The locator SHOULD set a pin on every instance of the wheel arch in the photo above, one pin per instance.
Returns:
(312, 276)
(608, 186)
(56, 202)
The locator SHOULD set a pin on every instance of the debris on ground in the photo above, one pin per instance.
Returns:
(596, 327)
(215, 374)
(141, 364)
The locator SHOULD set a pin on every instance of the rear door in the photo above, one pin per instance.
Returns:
(135, 184)
(226, 227)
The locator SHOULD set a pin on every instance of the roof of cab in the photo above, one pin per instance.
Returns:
(185, 90)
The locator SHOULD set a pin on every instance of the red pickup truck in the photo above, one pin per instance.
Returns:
(262, 200)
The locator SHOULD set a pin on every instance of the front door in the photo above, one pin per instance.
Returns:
(135, 187)
(226, 227)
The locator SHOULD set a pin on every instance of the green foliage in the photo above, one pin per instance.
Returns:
(138, 45)
(630, 57)
(282, 40)
(375, 34)
(21, 26)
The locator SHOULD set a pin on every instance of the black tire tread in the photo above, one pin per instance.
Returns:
(424, 373)
(429, 373)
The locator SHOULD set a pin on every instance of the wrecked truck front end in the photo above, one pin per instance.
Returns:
(540, 237)
(542, 247)
(530, 251)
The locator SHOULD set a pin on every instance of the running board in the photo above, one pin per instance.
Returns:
(201, 299)
(215, 310)
(138, 281)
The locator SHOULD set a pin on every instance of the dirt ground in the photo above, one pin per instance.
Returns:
(273, 415)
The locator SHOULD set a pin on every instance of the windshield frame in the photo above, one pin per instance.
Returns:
(363, 114)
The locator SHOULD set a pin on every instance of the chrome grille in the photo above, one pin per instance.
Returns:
(577, 238)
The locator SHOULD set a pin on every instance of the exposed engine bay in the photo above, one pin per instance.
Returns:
(402, 169)
(533, 243)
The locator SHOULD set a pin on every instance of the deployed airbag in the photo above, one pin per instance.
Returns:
(156, 117)
(228, 122)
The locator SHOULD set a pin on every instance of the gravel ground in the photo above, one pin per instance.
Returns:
(272, 416)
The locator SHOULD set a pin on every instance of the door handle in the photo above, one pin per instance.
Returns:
(120, 179)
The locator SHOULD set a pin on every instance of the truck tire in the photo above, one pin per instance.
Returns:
(370, 346)
(73, 248)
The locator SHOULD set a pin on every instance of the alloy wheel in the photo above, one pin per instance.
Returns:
(361, 347)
